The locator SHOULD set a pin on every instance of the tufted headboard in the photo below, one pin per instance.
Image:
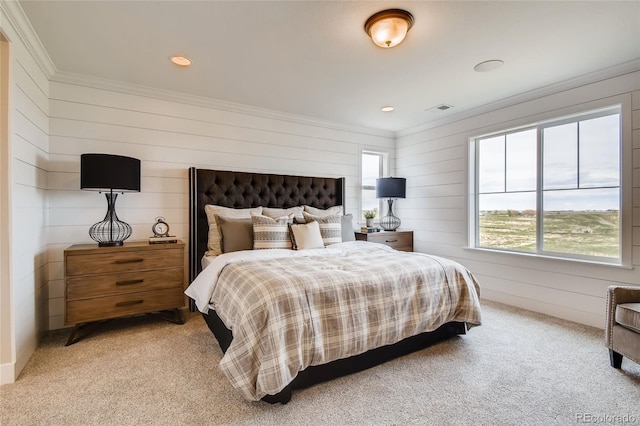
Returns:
(244, 190)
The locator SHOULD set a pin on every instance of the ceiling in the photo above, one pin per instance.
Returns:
(313, 58)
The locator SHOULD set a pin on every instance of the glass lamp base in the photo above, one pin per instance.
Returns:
(390, 223)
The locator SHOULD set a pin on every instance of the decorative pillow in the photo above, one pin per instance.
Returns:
(330, 227)
(306, 236)
(322, 213)
(235, 234)
(214, 235)
(347, 228)
(275, 213)
(271, 233)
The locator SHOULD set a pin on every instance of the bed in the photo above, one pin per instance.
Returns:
(317, 342)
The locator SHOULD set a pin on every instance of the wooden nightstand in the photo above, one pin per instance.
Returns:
(111, 282)
(399, 240)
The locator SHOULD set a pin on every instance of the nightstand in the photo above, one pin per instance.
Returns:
(399, 240)
(111, 282)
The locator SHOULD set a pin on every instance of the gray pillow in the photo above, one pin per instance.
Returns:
(235, 234)
(347, 228)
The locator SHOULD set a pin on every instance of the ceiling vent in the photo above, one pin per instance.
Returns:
(442, 107)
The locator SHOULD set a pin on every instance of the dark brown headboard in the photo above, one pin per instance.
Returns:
(244, 190)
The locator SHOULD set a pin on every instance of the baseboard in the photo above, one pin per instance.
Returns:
(557, 311)
(7, 373)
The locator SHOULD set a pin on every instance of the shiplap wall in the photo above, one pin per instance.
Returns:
(435, 162)
(29, 148)
(169, 137)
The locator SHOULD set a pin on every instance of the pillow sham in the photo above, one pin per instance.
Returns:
(212, 210)
(307, 236)
(330, 227)
(235, 234)
(347, 228)
(274, 213)
(322, 213)
(271, 233)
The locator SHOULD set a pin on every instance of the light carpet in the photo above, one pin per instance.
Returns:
(518, 368)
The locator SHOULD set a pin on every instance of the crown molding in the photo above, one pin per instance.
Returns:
(594, 77)
(184, 98)
(22, 26)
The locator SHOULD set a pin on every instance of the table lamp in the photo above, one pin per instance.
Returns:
(391, 188)
(109, 173)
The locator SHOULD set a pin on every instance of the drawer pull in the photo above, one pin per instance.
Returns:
(390, 241)
(129, 282)
(130, 302)
(121, 261)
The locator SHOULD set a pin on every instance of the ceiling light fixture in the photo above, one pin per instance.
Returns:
(487, 66)
(387, 109)
(181, 61)
(389, 27)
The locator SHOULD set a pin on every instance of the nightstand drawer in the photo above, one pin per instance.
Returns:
(79, 311)
(398, 240)
(123, 283)
(121, 261)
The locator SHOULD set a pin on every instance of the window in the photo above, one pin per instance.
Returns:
(374, 165)
(552, 188)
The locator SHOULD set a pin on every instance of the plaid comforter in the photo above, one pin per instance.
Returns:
(289, 313)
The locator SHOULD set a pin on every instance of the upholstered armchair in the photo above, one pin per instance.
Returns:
(622, 332)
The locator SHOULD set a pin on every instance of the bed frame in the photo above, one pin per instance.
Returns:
(245, 190)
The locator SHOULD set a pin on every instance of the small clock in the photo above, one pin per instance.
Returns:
(160, 228)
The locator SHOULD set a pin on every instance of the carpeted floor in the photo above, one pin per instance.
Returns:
(517, 368)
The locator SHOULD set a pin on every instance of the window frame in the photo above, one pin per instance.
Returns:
(618, 104)
(383, 163)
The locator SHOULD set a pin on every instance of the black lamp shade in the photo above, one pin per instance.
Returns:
(391, 187)
(104, 172)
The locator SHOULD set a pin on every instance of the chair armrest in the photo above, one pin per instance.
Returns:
(617, 295)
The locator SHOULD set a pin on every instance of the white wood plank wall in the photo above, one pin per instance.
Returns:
(29, 150)
(169, 137)
(434, 161)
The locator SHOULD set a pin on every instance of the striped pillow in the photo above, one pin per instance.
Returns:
(330, 227)
(271, 233)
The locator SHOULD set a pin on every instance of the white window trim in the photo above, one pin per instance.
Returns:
(384, 171)
(626, 177)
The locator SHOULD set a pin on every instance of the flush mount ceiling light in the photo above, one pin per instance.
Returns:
(181, 61)
(487, 66)
(389, 27)
(387, 108)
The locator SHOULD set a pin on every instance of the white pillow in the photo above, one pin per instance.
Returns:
(322, 213)
(275, 212)
(306, 236)
(213, 245)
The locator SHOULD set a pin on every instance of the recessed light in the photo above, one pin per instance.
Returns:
(487, 66)
(387, 109)
(181, 61)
